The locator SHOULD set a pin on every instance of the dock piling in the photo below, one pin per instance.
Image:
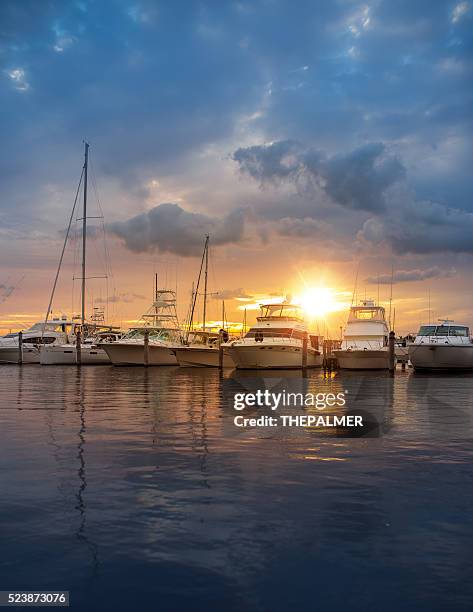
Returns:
(146, 349)
(20, 347)
(78, 347)
(392, 355)
(220, 350)
(304, 352)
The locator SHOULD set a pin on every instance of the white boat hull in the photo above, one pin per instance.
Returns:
(122, 354)
(441, 357)
(11, 354)
(260, 356)
(363, 359)
(196, 357)
(66, 355)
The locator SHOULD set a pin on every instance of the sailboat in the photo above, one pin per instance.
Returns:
(160, 324)
(91, 332)
(201, 347)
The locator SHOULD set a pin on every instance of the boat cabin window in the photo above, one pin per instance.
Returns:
(44, 340)
(458, 330)
(427, 330)
(259, 334)
(365, 314)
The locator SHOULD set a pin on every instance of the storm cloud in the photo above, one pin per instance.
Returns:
(357, 179)
(170, 228)
(420, 227)
(406, 276)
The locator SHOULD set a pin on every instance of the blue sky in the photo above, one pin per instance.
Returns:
(345, 125)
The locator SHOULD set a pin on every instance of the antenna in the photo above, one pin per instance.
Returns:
(430, 317)
(391, 294)
(353, 295)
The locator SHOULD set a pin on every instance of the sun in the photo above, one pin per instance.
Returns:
(318, 301)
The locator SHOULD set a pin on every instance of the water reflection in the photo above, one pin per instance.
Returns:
(139, 482)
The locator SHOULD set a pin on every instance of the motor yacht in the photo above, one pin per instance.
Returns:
(365, 339)
(276, 341)
(91, 352)
(52, 333)
(444, 346)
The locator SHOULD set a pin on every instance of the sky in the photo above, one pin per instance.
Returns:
(319, 144)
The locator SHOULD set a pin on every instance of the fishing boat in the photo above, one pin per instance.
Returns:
(154, 341)
(445, 346)
(276, 341)
(365, 339)
(200, 348)
(54, 332)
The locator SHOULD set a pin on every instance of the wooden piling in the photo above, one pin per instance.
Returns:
(304, 351)
(220, 350)
(78, 347)
(392, 355)
(20, 347)
(146, 349)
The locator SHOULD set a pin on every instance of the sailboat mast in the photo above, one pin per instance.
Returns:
(84, 230)
(205, 280)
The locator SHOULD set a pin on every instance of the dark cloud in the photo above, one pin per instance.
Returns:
(414, 226)
(170, 228)
(358, 179)
(406, 276)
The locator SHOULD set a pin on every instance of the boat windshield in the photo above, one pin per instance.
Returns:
(167, 335)
(138, 333)
(290, 311)
(444, 330)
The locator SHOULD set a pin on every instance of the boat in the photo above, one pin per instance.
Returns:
(365, 339)
(202, 351)
(160, 329)
(276, 341)
(201, 348)
(54, 332)
(442, 346)
(92, 332)
(91, 351)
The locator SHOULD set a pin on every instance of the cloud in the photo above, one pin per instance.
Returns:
(405, 276)
(357, 180)
(460, 10)
(232, 294)
(420, 226)
(18, 78)
(122, 297)
(301, 228)
(170, 228)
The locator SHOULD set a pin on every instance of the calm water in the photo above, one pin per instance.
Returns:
(132, 489)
